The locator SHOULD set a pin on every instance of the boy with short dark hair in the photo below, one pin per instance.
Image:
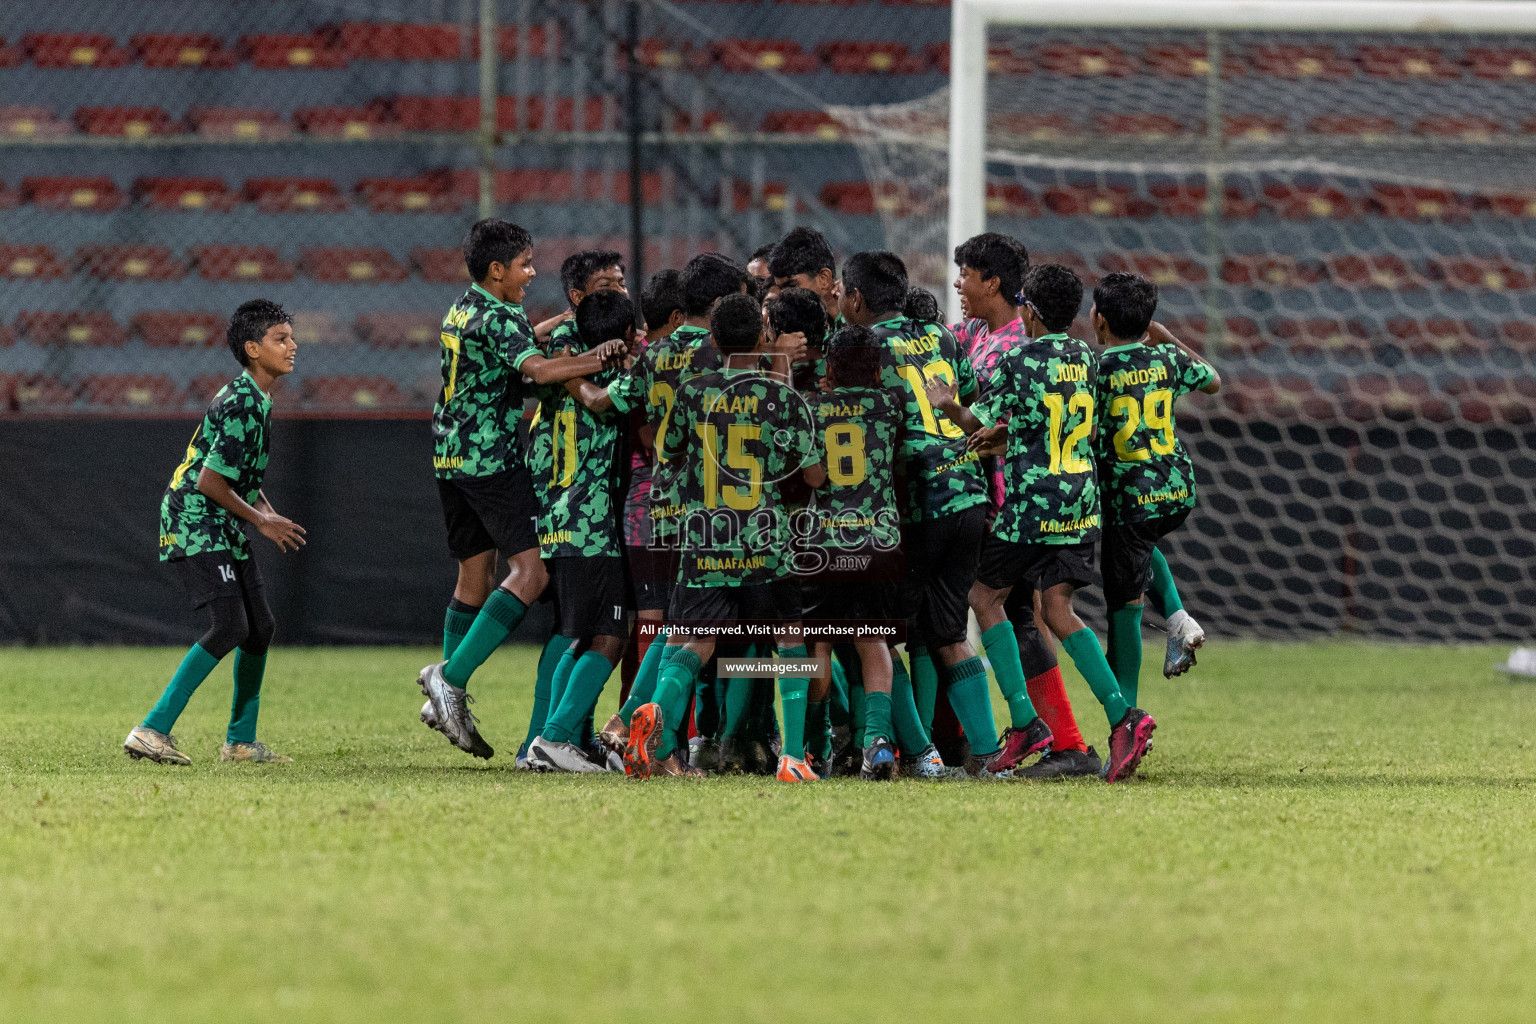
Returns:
(1146, 478)
(483, 481)
(218, 484)
(803, 259)
(1044, 534)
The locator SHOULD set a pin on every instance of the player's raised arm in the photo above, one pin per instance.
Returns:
(944, 396)
(1161, 335)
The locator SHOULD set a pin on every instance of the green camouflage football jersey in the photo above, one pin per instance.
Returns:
(858, 435)
(942, 477)
(474, 425)
(1046, 390)
(1144, 470)
(232, 440)
(651, 386)
(574, 461)
(734, 435)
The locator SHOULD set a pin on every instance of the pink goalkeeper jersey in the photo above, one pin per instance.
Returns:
(986, 347)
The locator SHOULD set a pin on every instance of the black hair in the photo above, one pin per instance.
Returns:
(251, 322)
(493, 241)
(762, 252)
(1126, 302)
(603, 316)
(1056, 294)
(663, 296)
(880, 277)
(758, 287)
(798, 310)
(707, 277)
(802, 251)
(994, 255)
(853, 357)
(736, 323)
(579, 267)
(921, 305)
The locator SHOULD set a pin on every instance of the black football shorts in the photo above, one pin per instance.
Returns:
(1126, 561)
(491, 513)
(214, 574)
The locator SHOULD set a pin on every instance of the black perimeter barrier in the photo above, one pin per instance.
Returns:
(1390, 531)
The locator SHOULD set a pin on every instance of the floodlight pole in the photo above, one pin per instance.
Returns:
(488, 77)
(968, 54)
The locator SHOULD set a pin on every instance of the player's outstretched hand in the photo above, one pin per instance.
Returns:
(285, 533)
(613, 353)
(791, 344)
(940, 391)
(991, 440)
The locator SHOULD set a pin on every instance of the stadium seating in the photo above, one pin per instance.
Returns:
(320, 328)
(340, 264)
(170, 329)
(1085, 61)
(11, 54)
(240, 263)
(422, 193)
(80, 195)
(803, 122)
(129, 122)
(41, 393)
(73, 50)
(294, 195)
(866, 57)
(128, 392)
(744, 55)
(129, 263)
(399, 330)
(49, 327)
(31, 263)
(30, 121)
(244, 123)
(357, 393)
(296, 51)
(181, 50)
(443, 265)
(396, 41)
(437, 113)
(366, 122)
(172, 193)
(1406, 63)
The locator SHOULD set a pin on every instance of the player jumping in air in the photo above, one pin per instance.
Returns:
(488, 346)
(200, 536)
(1044, 533)
(1146, 478)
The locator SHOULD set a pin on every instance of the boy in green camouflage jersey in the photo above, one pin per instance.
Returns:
(735, 434)
(482, 476)
(1044, 533)
(580, 544)
(1146, 479)
(217, 485)
(946, 495)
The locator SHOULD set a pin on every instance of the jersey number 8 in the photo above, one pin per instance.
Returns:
(846, 460)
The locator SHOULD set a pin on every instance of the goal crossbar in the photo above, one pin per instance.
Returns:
(969, 20)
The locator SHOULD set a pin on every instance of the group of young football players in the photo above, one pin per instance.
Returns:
(781, 461)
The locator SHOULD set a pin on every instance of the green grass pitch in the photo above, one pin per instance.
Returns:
(1325, 832)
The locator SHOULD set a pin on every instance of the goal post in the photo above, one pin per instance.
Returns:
(970, 20)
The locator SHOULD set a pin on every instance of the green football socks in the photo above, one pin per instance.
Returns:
(496, 621)
(925, 685)
(558, 682)
(549, 660)
(644, 688)
(1164, 595)
(793, 696)
(1125, 649)
(456, 623)
(587, 680)
(1002, 649)
(838, 710)
(194, 668)
(672, 692)
(738, 701)
(877, 717)
(818, 729)
(1084, 650)
(910, 736)
(249, 668)
(973, 705)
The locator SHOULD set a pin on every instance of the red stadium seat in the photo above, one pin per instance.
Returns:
(359, 393)
(1372, 126)
(1373, 270)
(437, 113)
(341, 264)
(247, 123)
(1271, 271)
(669, 53)
(1289, 396)
(534, 118)
(1508, 204)
(1322, 336)
(11, 54)
(366, 122)
(49, 327)
(1502, 64)
(1466, 127)
(168, 193)
(422, 193)
(29, 122)
(1406, 63)
(1001, 60)
(1241, 336)
(1490, 398)
(42, 393)
(1039, 127)
(180, 50)
(399, 330)
(1407, 396)
(650, 189)
(129, 122)
(1439, 336)
(744, 55)
(1494, 273)
(1148, 127)
(1411, 202)
(441, 265)
(294, 195)
(240, 263)
(93, 195)
(1097, 201)
(167, 329)
(1085, 61)
(363, 40)
(1255, 127)
(134, 392)
(1308, 202)
(289, 50)
(1012, 200)
(1188, 199)
(1286, 60)
(1163, 271)
(321, 328)
(129, 263)
(538, 42)
(1518, 335)
(201, 389)
(1188, 329)
(1071, 260)
(802, 122)
(861, 198)
(31, 263)
(73, 50)
(1181, 60)
(866, 57)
